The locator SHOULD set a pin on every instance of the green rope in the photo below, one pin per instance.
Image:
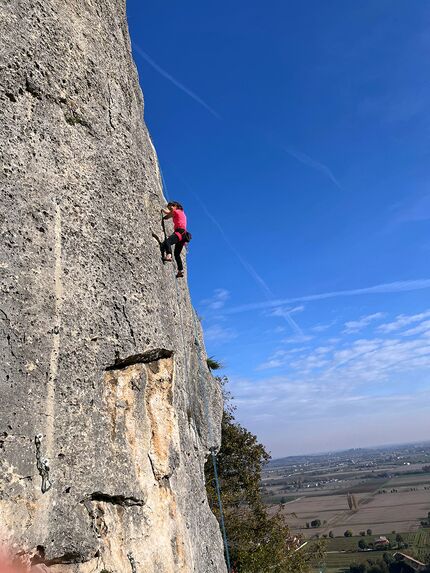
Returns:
(213, 455)
(221, 512)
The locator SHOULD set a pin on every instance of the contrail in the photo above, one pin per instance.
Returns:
(175, 82)
(399, 286)
(306, 160)
(250, 269)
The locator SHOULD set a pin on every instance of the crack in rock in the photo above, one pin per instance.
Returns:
(69, 557)
(128, 322)
(124, 501)
(143, 358)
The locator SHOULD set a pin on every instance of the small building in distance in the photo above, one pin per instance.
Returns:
(381, 541)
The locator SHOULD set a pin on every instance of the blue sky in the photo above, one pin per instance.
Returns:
(297, 137)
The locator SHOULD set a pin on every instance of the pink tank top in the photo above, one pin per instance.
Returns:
(179, 219)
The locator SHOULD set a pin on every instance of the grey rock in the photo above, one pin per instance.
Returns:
(107, 409)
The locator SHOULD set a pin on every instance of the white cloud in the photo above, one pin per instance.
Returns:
(357, 325)
(297, 339)
(281, 358)
(350, 385)
(219, 334)
(362, 363)
(323, 327)
(218, 299)
(403, 320)
(367, 373)
(283, 311)
(271, 363)
(323, 349)
(422, 328)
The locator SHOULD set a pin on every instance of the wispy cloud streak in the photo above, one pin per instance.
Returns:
(399, 286)
(306, 160)
(250, 269)
(357, 325)
(403, 320)
(174, 81)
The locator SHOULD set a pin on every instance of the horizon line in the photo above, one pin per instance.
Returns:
(342, 450)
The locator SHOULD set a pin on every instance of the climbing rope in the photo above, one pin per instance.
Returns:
(212, 450)
(210, 430)
(221, 512)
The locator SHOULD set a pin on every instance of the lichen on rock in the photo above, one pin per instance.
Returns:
(107, 414)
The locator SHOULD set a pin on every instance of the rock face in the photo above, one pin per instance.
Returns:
(107, 409)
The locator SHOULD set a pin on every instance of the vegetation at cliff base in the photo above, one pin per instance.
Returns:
(387, 564)
(258, 541)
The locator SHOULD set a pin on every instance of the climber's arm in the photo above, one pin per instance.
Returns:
(168, 213)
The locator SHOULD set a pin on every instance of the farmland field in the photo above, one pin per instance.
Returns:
(384, 490)
(382, 512)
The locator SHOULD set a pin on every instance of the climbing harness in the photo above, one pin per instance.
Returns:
(210, 431)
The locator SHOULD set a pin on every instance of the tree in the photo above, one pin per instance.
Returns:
(385, 565)
(258, 541)
(369, 532)
(213, 364)
(316, 523)
(357, 568)
(399, 539)
(388, 558)
(348, 533)
(362, 544)
(331, 534)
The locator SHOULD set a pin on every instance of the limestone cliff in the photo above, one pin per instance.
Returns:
(107, 409)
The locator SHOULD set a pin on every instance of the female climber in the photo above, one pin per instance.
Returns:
(180, 236)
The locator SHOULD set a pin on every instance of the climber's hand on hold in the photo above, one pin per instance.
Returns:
(167, 213)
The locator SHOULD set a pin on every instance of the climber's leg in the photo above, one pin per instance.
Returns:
(166, 247)
(178, 249)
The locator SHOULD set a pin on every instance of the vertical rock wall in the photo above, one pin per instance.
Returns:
(107, 410)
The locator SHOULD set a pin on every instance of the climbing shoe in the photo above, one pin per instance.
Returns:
(179, 274)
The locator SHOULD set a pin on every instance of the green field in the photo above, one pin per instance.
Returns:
(339, 562)
(349, 543)
(419, 546)
(419, 541)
